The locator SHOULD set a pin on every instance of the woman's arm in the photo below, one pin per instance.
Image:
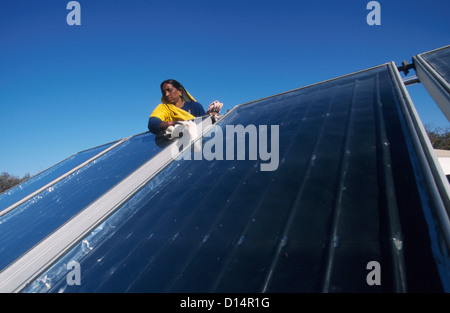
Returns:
(155, 125)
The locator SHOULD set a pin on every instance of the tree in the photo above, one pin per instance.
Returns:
(439, 136)
(8, 181)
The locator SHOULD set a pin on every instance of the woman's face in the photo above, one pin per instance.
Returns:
(171, 93)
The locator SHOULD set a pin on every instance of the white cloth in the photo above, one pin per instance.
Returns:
(184, 128)
(214, 108)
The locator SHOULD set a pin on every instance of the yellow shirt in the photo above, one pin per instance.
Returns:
(168, 112)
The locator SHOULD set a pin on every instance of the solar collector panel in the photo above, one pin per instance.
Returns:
(32, 221)
(311, 225)
(439, 59)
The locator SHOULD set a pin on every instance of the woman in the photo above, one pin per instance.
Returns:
(177, 105)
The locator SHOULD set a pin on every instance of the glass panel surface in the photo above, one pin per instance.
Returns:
(26, 225)
(38, 181)
(440, 61)
(224, 224)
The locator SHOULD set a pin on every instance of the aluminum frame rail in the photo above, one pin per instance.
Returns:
(25, 269)
(434, 174)
(436, 180)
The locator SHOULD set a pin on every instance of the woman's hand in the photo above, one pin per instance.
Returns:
(214, 108)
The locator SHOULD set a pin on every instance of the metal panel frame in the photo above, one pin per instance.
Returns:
(436, 85)
(436, 181)
(436, 178)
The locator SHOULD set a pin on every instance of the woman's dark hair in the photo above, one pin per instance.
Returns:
(174, 83)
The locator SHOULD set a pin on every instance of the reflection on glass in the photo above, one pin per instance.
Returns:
(440, 60)
(26, 225)
(34, 183)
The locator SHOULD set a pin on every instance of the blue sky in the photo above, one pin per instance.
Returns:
(65, 88)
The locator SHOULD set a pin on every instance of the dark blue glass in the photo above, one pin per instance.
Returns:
(26, 225)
